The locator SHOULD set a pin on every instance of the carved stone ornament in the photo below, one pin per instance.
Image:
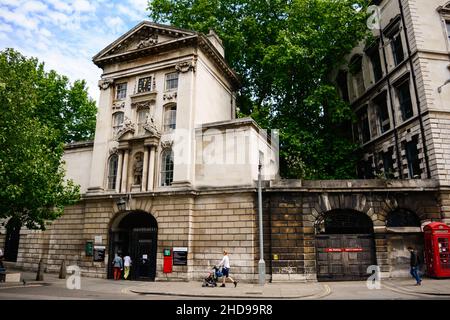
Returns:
(113, 150)
(104, 84)
(118, 105)
(186, 66)
(127, 126)
(141, 105)
(170, 96)
(150, 41)
(166, 144)
(151, 127)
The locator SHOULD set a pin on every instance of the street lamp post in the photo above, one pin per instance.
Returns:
(261, 264)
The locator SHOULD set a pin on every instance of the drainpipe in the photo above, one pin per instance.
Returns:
(413, 74)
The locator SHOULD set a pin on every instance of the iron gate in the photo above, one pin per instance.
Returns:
(344, 256)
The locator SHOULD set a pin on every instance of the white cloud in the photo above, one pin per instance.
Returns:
(5, 27)
(83, 6)
(19, 18)
(60, 5)
(33, 6)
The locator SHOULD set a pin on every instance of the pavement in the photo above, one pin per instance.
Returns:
(94, 288)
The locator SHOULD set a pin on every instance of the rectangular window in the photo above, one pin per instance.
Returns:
(342, 84)
(388, 163)
(376, 64)
(121, 90)
(447, 23)
(412, 156)
(145, 84)
(363, 124)
(404, 99)
(382, 113)
(170, 118)
(142, 119)
(171, 81)
(365, 169)
(397, 49)
(118, 118)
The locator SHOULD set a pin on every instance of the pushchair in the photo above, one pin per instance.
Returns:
(212, 278)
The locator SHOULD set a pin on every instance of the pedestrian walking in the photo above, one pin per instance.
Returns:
(117, 266)
(127, 265)
(225, 263)
(415, 263)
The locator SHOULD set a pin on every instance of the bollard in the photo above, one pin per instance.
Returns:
(40, 272)
(63, 270)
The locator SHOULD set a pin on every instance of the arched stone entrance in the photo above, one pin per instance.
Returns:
(135, 234)
(345, 245)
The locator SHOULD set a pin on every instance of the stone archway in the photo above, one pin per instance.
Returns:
(345, 245)
(135, 233)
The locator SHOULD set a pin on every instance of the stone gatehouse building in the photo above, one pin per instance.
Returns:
(173, 171)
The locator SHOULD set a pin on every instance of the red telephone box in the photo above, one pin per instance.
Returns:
(437, 249)
(167, 267)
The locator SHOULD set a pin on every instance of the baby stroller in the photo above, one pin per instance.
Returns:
(212, 278)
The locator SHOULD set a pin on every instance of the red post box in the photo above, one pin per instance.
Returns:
(167, 266)
(437, 249)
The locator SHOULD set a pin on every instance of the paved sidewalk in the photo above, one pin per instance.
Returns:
(291, 290)
(436, 287)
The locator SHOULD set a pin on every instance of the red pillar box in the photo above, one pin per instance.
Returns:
(167, 266)
(437, 249)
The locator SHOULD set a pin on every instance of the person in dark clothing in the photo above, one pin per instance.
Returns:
(415, 263)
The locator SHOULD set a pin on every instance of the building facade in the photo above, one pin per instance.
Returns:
(172, 171)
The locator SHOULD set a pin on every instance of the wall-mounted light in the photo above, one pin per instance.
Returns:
(122, 204)
(439, 89)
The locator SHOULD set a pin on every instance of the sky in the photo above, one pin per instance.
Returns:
(66, 34)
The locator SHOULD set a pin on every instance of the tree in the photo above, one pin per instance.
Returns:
(285, 52)
(33, 187)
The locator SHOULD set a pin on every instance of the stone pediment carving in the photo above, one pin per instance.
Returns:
(144, 35)
(151, 127)
(142, 104)
(126, 127)
(118, 105)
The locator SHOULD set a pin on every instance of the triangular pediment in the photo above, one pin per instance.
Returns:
(145, 35)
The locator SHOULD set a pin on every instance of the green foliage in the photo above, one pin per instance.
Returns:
(285, 52)
(32, 135)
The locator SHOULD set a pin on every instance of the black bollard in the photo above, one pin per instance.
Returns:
(40, 272)
(63, 270)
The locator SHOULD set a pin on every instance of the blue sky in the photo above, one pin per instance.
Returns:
(66, 34)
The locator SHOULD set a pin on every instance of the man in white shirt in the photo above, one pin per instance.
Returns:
(225, 263)
(126, 264)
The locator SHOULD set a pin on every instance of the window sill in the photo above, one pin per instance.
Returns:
(143, 96)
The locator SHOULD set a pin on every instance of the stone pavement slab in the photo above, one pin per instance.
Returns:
(292, 290)
(437, 287)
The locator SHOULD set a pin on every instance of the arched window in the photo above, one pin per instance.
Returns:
(142, 119)
(112, 171)
(402, 218)
(117, 121)
(167, 168)
(138, 167)
(170, 118)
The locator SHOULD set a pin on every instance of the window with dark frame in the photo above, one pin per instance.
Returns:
(355, 68)
(447, 23)
(167, 168)
(172, 81)
(363, 124)
(412, 157)
(397, 48)
(145, 84)
(388, 163)
(382, 112)
(404, 99)
(112, 171)
(375, 61)
(121, 89)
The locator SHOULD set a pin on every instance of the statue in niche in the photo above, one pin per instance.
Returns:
(138, 168)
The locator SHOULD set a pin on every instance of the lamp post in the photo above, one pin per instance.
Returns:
(261, 264)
